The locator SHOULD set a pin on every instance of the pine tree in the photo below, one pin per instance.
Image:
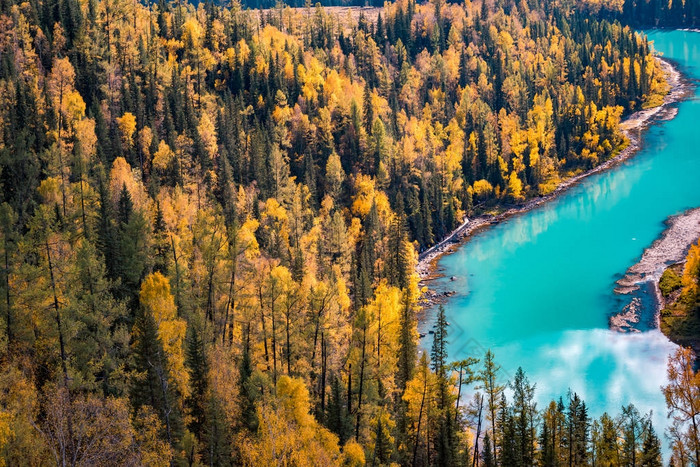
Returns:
(577, 431)
(546, 453)
(248, 416)
(508, 454)
(633, 426)
(524, 413)
(337, 418)
(488, 377)
(151, 386)
(405, 366)
(7, 225)
(438, 352)
(382, 444)
(651, 448)
(487, 453)
(129, 241)
(216, 436)
(446, 443)
(99, 347)
(199, 369)
(368, 110)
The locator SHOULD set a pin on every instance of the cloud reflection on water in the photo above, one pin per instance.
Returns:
(607, 369)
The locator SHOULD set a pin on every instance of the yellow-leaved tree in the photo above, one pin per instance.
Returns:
(288, 434)
(156, 299)
(127, 126)
(690, 272)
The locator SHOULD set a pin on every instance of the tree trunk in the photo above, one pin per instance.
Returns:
(695, 440)
(210, 294)
(362, 380)
(274, 337)
(420, 418)
(262, 319)
(7, 297)
(230, 302)
(492, 408)
(475, 460)
(61, 342)
(177, 275)
(317, 325)
(459, 394)
(349, 388)
(60, 151)
(82, 206)
(323, 374)
(289, 348)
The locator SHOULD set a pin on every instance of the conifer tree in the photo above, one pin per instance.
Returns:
(198, 367)
(524, 414)
(493, 390)
(651, 449)
(487, 453)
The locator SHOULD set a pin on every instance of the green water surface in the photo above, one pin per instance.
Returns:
(538, 288)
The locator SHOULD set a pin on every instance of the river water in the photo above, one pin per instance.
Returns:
(538, 288)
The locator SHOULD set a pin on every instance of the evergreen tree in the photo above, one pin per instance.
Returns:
(651, 449)
(633, 426)
(488, 377)
(152, 386)
(438, 352)
(524, 413)
(508, 454)
(248, 416)
(337, 418)
(546, 453)
(577, 431)
(199, 372)
(382, 444)
(487, 453)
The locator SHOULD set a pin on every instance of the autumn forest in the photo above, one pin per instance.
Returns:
(210, 219)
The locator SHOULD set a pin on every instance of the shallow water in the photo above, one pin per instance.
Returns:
(538, 288)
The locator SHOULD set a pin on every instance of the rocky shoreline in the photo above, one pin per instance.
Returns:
(632, 127)
(683, 230)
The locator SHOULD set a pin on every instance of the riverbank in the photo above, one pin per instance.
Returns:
(632, 127)
(643, 277)
(678, 317)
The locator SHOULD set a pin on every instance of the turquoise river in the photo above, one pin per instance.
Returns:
(537, 289)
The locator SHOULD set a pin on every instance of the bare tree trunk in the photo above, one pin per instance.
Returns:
(230, 303)
(317, 325)
(475, 460)
(695, 440)
(459, 394)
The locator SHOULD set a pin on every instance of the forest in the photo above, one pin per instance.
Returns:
(650, 13)
(211, 216)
